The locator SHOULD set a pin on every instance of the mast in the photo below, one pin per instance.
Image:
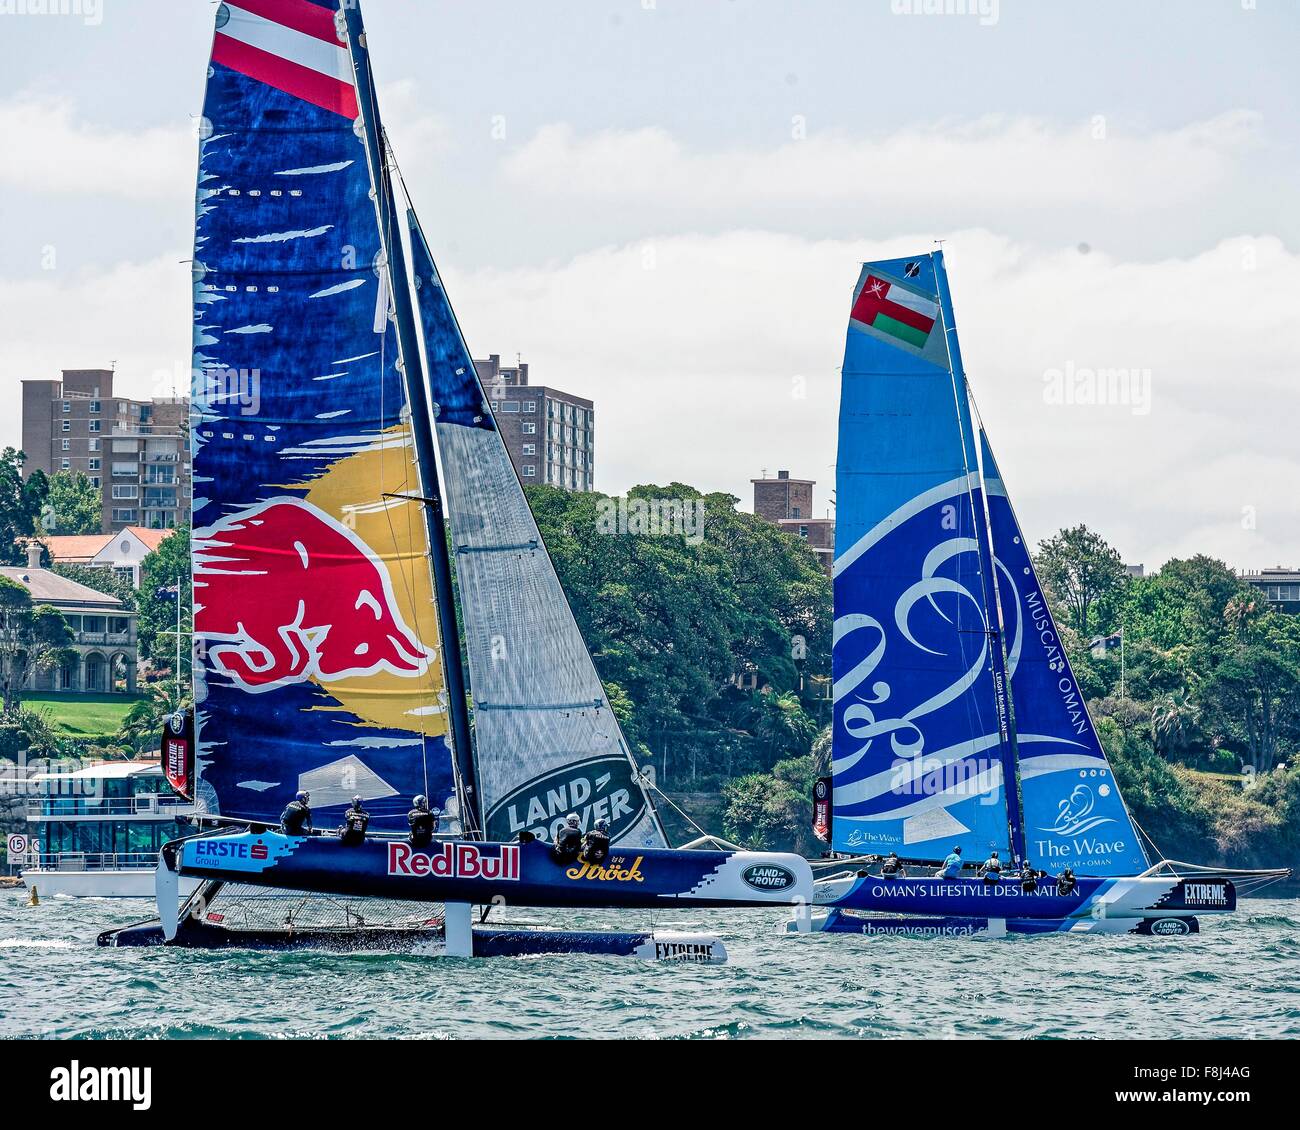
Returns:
(413, 374)
(988, 580)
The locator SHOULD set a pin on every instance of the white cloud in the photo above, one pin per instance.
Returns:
(992, 159)
(50, 150)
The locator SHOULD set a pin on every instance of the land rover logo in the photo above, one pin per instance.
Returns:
(820, 790)
(600, 789)
(1169, 927)
(767, 877)
(177, 722)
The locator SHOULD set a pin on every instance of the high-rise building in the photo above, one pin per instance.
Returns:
(135, 451)
(549, 433)
(1280, 586)
(788, 503)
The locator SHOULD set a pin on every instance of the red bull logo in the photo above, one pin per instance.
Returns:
(454, 861)
(285, 593)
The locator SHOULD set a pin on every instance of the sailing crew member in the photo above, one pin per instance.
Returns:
(355, 822)
(991, 868)
(423, 822)
(1028, 878)
(295, 820)
(893, 868)
(1066, 883)
(951, 867)
(568, 839)
(595, 844)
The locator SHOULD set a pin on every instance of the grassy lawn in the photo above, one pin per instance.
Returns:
(82, 715)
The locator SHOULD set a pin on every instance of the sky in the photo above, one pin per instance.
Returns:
(663, 204)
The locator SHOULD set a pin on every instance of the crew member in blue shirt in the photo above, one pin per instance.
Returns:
(951, 868)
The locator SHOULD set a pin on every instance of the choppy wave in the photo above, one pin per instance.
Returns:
(1231, 980)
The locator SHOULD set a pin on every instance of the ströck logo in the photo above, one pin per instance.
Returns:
(768, 877)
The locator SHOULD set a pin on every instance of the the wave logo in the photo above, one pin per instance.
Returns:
(1075, 814)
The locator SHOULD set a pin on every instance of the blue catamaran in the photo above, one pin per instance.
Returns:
(328, 379)
(959, 728)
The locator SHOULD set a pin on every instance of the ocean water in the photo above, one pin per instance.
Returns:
(1235, 979)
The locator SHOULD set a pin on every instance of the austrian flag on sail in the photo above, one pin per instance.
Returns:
(890, 308)
(292, 45)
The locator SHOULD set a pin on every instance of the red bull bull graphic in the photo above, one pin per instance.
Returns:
(284, 593)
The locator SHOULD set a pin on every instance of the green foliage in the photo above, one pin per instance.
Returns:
(21, 501)
(772, 811)
(33, 638)
(157, 622)
(26, 730)
(73, 505)
(1084, 573)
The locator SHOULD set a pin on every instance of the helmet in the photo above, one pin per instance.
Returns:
(893, 855)
(602, 825)
(356, 801)
(422, 802)
(571, 820)
(993, 854)
(957, 850)
(303, 796)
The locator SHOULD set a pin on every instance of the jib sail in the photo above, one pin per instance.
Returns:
(317, 646)
(546, 741)
(1074, 814)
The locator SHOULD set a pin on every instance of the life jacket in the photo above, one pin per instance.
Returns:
(892, 866)
(295, 820)
(422, 826)
(355, 823)
(568, 842)
(595, 847)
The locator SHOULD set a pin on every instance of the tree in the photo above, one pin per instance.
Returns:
(156, 602)
(1084, 573)
(772, 810)
(21, 501)
(33, 638)
(1253, 695)
(101, 580)
(72, 505)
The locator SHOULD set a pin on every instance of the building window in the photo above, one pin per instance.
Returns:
(94, 407)
(794, 512)
(529, 428)
(95, 425)
(65, 464)
(530, 471)
(67, 425)
(126, 492)
(509, 406)
(94, 481)
(530, 449)
(127, 516)
(94, 465)
(530, 406)
(67, 405)
(94, 445)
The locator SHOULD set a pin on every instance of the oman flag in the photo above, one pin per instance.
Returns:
(904, 315)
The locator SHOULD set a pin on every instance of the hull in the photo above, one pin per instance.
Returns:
(841, 922)
(488, 941)
(125, 884)
(1132, 898)
(518, 874)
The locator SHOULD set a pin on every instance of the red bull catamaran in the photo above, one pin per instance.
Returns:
(328, 366)
(959, 730)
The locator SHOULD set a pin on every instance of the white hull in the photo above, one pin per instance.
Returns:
(126, 884)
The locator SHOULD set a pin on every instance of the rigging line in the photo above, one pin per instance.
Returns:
(676, 808)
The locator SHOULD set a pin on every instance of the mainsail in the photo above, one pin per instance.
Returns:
(1074, 814)
(317, 643)
(920, 734)
(546, 740)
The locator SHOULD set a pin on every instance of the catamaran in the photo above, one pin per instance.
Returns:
(347, 466)
(958, 724)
